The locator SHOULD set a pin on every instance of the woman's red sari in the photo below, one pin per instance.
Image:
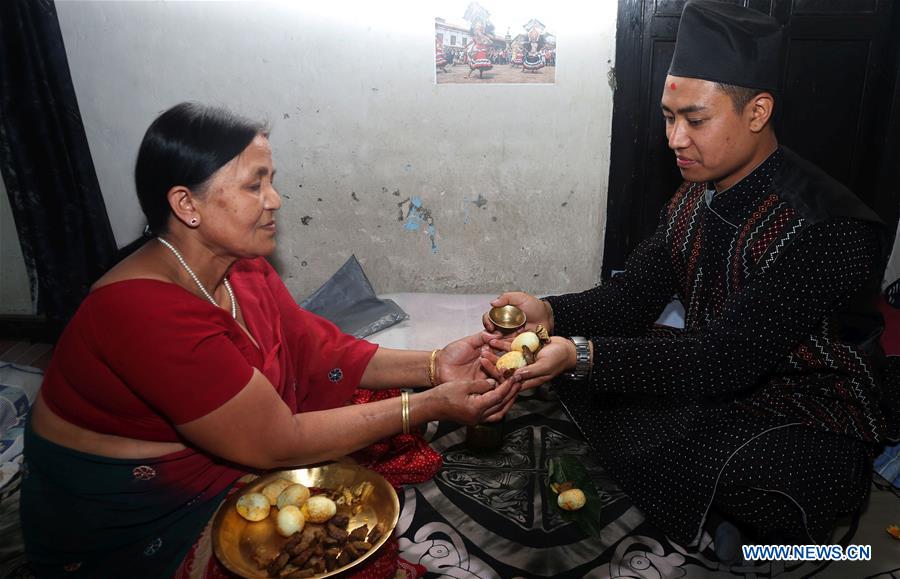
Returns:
(139, 357)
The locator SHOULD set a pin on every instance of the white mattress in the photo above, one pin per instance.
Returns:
(434, 319)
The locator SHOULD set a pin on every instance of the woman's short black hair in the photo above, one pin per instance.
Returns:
(184, 146)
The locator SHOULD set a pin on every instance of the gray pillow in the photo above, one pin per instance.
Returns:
(348, 300)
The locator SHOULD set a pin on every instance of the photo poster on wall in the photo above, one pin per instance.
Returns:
(473, 44)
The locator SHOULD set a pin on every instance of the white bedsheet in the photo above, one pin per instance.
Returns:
(434, 319)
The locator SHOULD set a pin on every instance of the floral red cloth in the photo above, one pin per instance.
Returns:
(401, 459)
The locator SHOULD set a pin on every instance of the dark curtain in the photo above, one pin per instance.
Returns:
(46, 165)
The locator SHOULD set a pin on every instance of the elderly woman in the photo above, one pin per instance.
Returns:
(189, 364)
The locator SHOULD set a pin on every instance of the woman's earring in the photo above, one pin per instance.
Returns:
(194, 221)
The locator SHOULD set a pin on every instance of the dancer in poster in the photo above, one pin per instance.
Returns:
(478, 50)
(518, 56)
(534, 56)
(440, 61)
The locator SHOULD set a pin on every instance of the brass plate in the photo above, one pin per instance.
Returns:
(236, 539)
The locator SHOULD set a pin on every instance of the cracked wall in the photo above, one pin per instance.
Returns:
(450, 188)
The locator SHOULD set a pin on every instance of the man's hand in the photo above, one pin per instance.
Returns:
(552, 360)
(536, 311)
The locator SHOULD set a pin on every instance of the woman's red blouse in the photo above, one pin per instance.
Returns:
(141, 356)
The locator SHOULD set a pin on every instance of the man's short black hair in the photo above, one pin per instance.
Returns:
(741, 95)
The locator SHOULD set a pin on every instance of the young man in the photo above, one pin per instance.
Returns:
(764, 409)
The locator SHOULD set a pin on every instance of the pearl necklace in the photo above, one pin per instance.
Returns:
(197, 279)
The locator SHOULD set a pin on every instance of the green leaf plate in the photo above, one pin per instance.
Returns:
(568, 468)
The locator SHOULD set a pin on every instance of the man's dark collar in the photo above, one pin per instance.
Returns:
(755, 182)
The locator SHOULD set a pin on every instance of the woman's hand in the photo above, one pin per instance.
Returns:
(536, 311)
(473, 401)
(551, 361)
(461, 360)
(490, 353)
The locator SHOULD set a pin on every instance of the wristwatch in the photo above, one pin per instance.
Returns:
(582, 359)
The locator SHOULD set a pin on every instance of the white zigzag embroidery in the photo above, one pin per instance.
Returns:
(692, 307)
(828, 412)
(796, 399)
(857, 389)
(728, 262)
(773, 214)
(687, 232)
(821, 349)
(771, 259)
(675, 213)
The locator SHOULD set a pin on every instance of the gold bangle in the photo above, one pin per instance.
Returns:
(404, 410)
(432, 368)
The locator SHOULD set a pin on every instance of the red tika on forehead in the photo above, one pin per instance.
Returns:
(673, 86)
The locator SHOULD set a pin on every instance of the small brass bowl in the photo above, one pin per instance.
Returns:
(507, 318)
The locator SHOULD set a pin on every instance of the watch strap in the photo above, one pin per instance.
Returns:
(582, 359)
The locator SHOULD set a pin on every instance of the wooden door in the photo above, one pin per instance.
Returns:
(838, 107)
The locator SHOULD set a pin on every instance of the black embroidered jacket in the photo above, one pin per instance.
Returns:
(777, 276)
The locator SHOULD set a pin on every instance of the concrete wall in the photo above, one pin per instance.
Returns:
(453, 188)
(15, 293)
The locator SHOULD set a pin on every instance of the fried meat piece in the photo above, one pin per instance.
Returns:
(277, 564)
(312, 534)
(294, 540)
(359, 533)
(337, 533)
(317, 563)
(345, 558)
(331, 556)
(362, 546)
(341, 520)
(302, 557)
(376, 533)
